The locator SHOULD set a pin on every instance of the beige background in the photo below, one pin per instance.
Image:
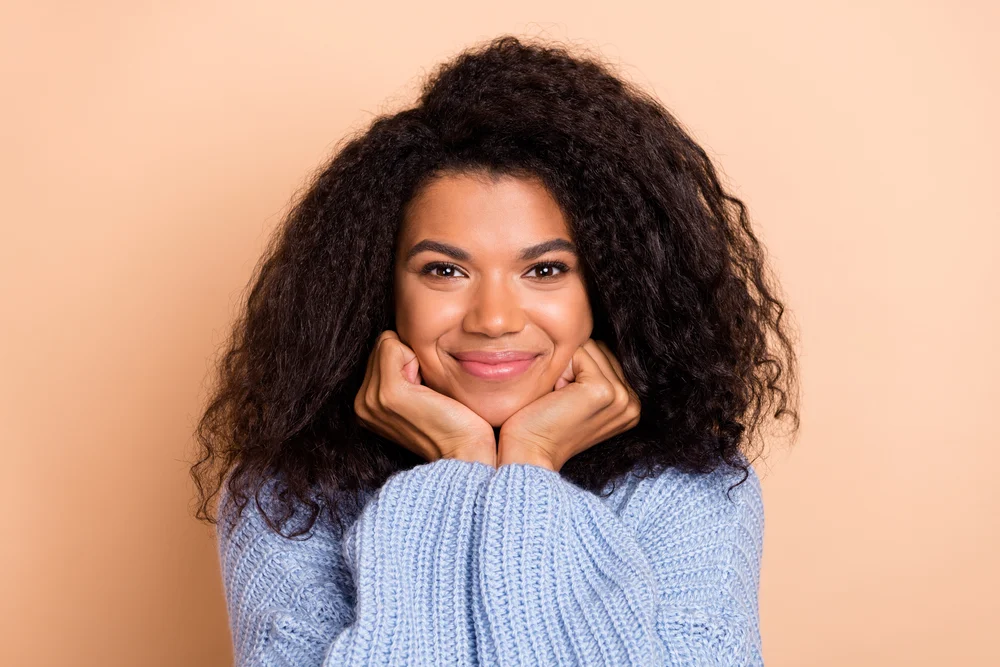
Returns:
(149, 149)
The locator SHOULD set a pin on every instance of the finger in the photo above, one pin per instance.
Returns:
(410, 365)
(375, 383)
(588, 372)
(401, 359)
(609, 355)
(613, 360)
(606, 360)
(566, 376)
(373, 354)
(602, 360)
(363, 390)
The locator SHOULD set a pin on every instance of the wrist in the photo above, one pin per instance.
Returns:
(480, 454)
(519, 453)
(474, 458)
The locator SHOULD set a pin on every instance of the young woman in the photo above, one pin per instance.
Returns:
(489, 400)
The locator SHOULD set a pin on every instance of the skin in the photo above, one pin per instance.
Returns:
(474, 291)
(493, 300)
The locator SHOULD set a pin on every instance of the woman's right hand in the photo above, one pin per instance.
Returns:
(393, 403)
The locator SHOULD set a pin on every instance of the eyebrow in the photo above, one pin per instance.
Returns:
(527, 254)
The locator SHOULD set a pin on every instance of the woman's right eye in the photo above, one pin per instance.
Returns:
(434, 266)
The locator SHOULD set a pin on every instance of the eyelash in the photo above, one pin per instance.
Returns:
(427, 270)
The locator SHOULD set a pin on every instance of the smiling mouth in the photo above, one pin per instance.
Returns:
(498, 372)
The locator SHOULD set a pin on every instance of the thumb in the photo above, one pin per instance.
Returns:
(585, 367)
(411, 369)
(581, 367)
(403, 359)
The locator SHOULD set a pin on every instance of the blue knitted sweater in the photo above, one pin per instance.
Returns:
(458, 563)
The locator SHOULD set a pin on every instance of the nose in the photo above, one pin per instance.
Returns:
(494, 308)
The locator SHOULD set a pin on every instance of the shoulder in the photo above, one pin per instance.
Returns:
(247, 534)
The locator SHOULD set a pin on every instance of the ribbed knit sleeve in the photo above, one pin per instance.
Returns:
(395, 589)
(665, 573)
(457, 563)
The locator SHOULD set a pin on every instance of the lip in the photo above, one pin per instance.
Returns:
(495, 366)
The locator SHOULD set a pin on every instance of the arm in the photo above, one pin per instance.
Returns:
(667, 574)
(394, 589)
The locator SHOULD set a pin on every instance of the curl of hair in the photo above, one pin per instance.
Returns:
(677, 281)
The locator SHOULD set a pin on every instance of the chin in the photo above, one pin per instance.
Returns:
(493, 409)
(494, 404)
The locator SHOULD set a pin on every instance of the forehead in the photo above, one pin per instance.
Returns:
(475, 210)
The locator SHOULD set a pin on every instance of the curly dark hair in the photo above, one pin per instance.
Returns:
(677, 281)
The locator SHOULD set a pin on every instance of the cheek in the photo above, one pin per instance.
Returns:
(418, 319)
(568, 321)
(422, 322)
(568, 324)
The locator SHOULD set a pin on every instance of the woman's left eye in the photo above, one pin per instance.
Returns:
(551, 265)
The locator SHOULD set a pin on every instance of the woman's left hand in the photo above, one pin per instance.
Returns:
(590, 403)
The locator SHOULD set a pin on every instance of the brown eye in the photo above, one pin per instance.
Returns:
(434, 266)
(548, 266)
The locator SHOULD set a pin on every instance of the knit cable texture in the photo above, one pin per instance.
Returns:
(458, 563)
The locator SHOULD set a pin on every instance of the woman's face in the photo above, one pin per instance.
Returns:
(474, 273)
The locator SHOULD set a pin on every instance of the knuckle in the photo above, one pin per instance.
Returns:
(604, 393)
(622, 398)
(633, 412)
(634, 407)
(385, 395)
(385, 347)
(363, 405)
